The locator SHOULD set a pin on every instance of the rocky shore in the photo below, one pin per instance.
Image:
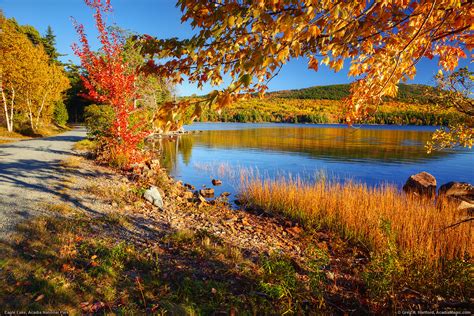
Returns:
(192, 251)
(424, 185)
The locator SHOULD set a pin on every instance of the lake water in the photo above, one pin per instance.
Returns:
(369, 154)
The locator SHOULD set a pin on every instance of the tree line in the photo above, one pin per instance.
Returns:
(38, 89)
(32, 81)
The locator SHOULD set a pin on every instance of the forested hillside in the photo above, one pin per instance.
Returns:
(408, 93)
(322, 104)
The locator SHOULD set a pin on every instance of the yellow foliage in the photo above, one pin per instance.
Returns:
(30, 84)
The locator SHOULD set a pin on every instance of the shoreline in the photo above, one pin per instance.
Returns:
(217, 251)
(193, 251)
(336, 125)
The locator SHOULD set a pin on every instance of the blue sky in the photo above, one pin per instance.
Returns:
(162, 19)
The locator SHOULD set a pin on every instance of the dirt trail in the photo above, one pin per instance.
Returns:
(29, 175)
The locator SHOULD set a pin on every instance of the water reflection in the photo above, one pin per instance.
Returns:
(370, 154)
(331, 143)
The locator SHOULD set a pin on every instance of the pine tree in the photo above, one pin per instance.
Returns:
(49, 43)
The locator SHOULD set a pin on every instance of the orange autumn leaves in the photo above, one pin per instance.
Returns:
(383, 42)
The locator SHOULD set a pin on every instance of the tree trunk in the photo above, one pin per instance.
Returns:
(12, 105)
(6, 109)
(8, 118)
(30, 112)
(41, 109)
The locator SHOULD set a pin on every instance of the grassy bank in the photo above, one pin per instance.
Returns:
(333, 249)
(7, 137)
(409, 244)
(109, 252)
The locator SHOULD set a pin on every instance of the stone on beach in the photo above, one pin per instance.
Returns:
(153, 196)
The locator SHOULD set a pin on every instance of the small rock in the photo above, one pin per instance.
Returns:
(216, 182)
(421, 184)
(223, 194)
(189, 186)
(207, 192)
(153, 196)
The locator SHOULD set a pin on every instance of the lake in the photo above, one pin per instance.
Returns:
(370, 154)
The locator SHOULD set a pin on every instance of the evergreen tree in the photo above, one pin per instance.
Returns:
(49, 43)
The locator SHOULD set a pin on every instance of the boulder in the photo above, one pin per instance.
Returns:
(216, 182)
(153, 196)
(421, 184)
(460, 192)
(461, 189)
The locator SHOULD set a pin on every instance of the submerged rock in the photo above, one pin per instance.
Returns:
(421, 184)
(216, 182)
(153, 196)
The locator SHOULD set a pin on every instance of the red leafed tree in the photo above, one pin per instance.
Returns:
(109, 79)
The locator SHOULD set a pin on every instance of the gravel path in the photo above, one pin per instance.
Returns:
(29, 175)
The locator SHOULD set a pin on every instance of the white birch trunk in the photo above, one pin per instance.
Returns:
(5, 106)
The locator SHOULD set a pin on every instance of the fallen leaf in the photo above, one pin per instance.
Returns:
(39, 298)
(97, 306)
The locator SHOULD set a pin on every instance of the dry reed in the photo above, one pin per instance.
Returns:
(371, 215)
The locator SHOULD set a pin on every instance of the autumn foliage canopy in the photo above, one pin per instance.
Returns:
(380, 41)
(251, 40)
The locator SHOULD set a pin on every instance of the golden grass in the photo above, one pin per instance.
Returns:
(85, 144)
(60, 208)
(71, 162)
(5, 133)
(370, 215)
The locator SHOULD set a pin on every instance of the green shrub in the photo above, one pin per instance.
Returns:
(60, 115)
(98, 119)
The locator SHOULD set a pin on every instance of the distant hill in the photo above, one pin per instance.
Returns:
(408, 93)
